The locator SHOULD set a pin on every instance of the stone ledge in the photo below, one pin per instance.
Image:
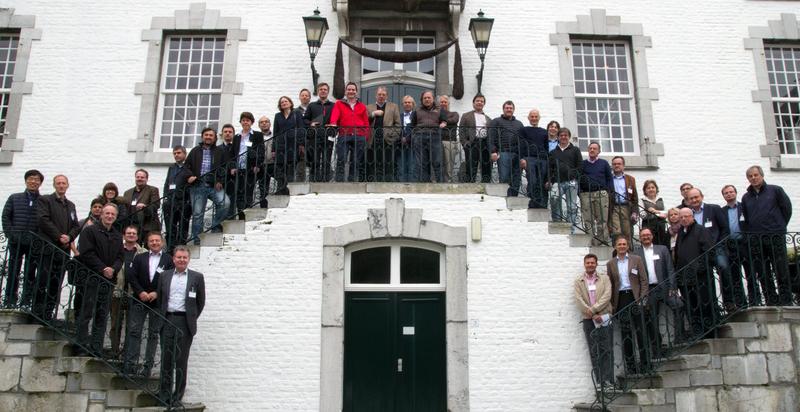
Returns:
(389, 187)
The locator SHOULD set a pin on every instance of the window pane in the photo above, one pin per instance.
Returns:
(418, 265)
(783, 67)
(371, 265)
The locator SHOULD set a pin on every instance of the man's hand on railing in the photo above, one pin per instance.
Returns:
(191, 179)
(144, 296)
(64, 239)
(108, 272)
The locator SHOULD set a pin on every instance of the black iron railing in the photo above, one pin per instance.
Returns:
(56, 289)
(743, 270)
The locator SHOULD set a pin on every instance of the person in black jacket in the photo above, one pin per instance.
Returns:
(289, 131)
(143, 279)
(206, 171)
(696, 281)
(177, 207)
(319, 142)
(247, 159)
(565, 163)
(101, 251)
(767, 210)
(58, 224)
(19, 218)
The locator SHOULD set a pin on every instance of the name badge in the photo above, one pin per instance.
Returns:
(630, 190)
(172, 186)
(248, 144)
(133, 202)
(331, 139)
(30, 203)
(635, 271)
(708, 224)
(592, 287)
(74, 216)
(192, 294)
(159, 269)
(741, 218)
(656, 257)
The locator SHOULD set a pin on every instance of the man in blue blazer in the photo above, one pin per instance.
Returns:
(182, 295)
(143, 277)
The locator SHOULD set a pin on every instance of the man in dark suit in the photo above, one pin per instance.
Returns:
(696, 280)
(143, 203)
(714, 220)
(629, 284)
(177, 208)
(661, 279)
(247, 159)
(182, 295)
(100, 249)
(58, 224)
(319, 141)
(143, 279)
(473, 134)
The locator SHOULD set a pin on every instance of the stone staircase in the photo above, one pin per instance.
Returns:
(750, 367)
(39, 373)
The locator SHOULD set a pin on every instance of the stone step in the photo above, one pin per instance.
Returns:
(13, 316)
(559, 228)
(538, 215)
(646, 397)
(759, 314)
(129, 398)
(496, 189)
(587, 407)
(50, 349)
(278, 202)
(82, 364)
(603, 253)
(209, 239)
(580, 240)
(741, 330)
(30, 332)
(517, 203)
(719, 346)
(255, 214)
(688, 361)
(685, 379)
(233, 227)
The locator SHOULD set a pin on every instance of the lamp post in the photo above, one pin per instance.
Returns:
(481, 29)
(316, 27)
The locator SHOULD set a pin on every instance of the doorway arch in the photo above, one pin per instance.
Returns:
(393, 222)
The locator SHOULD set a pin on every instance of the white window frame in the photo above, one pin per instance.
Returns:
(163, 92)
(398, 67)
(6, 92)
(630, 97)
(394, 278)
(795, 48)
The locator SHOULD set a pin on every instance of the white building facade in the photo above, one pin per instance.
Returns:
(697, 92)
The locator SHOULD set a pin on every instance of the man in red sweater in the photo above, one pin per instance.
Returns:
(350, 115)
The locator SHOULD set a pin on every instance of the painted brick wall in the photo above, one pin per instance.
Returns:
(525, 344)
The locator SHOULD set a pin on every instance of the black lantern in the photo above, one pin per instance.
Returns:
(316, 27)
(481, 29)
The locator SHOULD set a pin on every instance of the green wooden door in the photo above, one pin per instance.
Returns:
(394, 352)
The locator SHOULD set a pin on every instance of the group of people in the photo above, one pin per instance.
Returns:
(685, 254)
(110, 271)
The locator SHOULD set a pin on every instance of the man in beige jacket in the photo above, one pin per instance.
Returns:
(384, 117)
(593, 293)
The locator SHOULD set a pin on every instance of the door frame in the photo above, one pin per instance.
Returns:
(393, 222)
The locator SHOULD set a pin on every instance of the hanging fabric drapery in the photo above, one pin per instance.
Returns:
(396, 57)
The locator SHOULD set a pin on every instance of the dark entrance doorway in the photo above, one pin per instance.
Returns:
(395, 91)
(395, 352)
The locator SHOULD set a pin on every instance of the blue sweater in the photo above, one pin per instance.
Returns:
(534, 142)
(767, 211)
(596, 176)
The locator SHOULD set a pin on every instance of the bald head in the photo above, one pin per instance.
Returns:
(533, 117)
(687, 217)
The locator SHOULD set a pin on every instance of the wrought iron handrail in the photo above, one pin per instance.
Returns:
(32, 281)
(708, 291)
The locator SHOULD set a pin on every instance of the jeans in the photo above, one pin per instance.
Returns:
(536, 171)
(200, 195)
(405, 163)
(354, 146)
(508, 168)
(564, 202)
(427, 147)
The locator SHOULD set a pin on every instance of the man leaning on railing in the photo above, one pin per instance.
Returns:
(206, 176)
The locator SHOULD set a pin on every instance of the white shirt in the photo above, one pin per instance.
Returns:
(651, 264)
(480, 124)
(622, 267)
(177, 292)
(154, 259)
